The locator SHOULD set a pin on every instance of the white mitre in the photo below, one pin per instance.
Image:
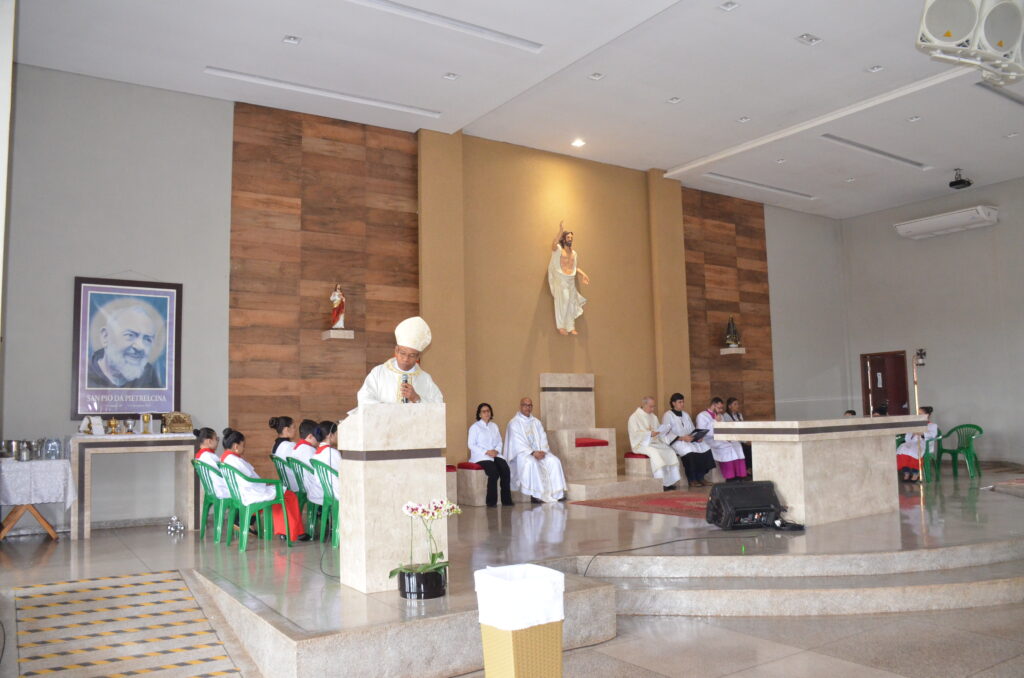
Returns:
(413, 333)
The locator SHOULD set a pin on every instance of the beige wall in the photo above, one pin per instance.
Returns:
(512, 201)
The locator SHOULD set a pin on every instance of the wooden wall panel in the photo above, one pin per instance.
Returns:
(727, 275)
(314, 201)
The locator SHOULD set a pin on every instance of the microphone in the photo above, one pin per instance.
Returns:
(405, 380)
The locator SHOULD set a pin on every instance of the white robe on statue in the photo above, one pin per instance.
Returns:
(384, 381)
(722, 450)
(568, 301)
(646, 438)
(539, 478)
(678, 427)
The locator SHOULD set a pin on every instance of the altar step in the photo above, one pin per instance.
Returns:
(611, 486)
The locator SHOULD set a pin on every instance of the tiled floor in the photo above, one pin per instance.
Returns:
(297, 583)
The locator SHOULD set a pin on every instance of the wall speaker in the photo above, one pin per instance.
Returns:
(986, 34)
(736, 506)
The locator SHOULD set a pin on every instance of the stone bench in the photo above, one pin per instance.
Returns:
(637, 465)
(452, 485)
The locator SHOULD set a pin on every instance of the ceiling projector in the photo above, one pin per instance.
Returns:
(959, 181)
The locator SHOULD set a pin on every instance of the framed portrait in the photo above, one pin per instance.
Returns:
(127, 348)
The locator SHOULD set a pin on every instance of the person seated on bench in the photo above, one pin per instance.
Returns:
(485, 449)
(695, 454)
(647, 437)
(535, 471)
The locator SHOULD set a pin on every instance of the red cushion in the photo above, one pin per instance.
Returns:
(591, 442)
(450, 468)
(468, 465)
(634, 455)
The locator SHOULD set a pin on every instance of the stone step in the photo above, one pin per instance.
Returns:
(610, 486)
(976, 586)
(799, 565)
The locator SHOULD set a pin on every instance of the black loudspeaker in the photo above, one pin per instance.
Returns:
(737, 506)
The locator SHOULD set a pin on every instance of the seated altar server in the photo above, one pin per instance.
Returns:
(207, 440)
(485, 448)
(535, 471)
(908, 455)
(283, 445)
(647, 436)
(305, 448)
(695, 455)
(728, 453)
(327, 452)
(400, 379)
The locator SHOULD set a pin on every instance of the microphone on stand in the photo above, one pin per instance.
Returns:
(405, 380)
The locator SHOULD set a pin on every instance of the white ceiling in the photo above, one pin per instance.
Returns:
(524, 79)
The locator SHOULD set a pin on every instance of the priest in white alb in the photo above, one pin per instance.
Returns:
(646, 437)
(535, 471)
(400, 379)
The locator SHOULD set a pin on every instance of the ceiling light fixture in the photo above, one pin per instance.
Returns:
(673, 100)
(596, 76)
(754, 184)
(849, 180)
(433, 19)
(578, 143)
(914, 118)
(871, 150)
(1012, 135)
(875, 69)
(317, 91)
(451, 76)
(291, 39)
(808, 39)
(743, 118)
(728, 6)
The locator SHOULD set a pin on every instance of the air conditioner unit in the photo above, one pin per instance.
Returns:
(950, 222)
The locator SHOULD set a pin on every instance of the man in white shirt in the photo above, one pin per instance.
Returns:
(535, 471)
(646, 436)
(400, 379)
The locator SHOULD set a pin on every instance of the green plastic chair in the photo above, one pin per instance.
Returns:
(963, 437)
(211, 500)
(326, 474)
(303, 474)
(262, 509)
(286, 479)
(929, 460)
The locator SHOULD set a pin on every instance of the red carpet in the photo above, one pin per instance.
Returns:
(677, 503)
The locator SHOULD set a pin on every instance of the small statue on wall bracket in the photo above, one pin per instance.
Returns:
(732, 335)
(563, 268)
(337, 308)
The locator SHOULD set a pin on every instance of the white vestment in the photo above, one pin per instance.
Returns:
(681, 426)
(914, 445)
(284, 450)
(646, 438)
(484, 436)
(384, 381)
(568, 301)
(310, 483)
(220, 487)
(328, 455)
(723, 450)
(251, 493)
(539, 478)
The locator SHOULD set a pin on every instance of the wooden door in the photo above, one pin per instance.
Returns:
(886, 381)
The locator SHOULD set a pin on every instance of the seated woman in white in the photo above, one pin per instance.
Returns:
(207, 439)
(908, 455)
(283, 445)
(695, 455)
(310, 436)
(485, 448)
(327, 452)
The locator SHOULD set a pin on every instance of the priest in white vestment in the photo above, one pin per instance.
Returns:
(562, 270)
(400, 379)
(728, 453)
(535, 471)
(646, 436)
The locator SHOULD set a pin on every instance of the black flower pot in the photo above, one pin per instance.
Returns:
(422, 585)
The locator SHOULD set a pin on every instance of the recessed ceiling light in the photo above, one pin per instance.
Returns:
(808, 39)
(849, 180)
(914, 118)
(1012, 135)
(728, 6)
(875, 69)
(451, 76)
(578, 143)
(291, 39)
(673, 100)
(596, 76)
(744, 118)
(780, 161)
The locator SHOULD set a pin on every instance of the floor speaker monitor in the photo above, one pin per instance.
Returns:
(734, 506)
(986, 34)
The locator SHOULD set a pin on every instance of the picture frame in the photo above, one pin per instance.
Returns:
(126, 354)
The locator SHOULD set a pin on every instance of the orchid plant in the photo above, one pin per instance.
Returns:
(427, 514)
